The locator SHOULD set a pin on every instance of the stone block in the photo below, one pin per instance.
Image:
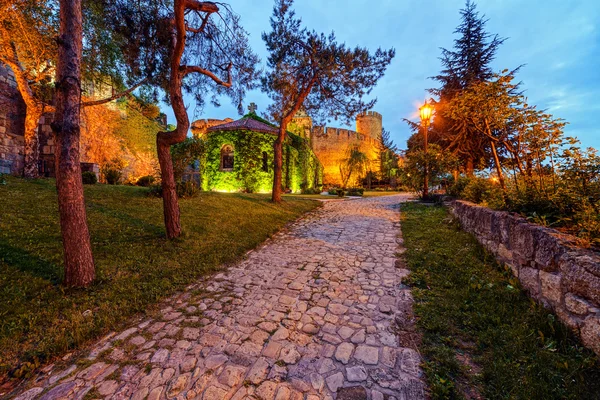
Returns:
(590, 333)
(572, 321)
(522, 239)
(577, 305)
(548, 249)
(551, 287)
(504, 254)
(529, 278)
(578, 280)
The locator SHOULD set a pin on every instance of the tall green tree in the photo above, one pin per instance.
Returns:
(313, 71)
(466, 64)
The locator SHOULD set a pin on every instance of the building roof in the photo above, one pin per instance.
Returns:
(247, 123)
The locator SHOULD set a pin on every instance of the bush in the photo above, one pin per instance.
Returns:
(333, 191)
(184, 190)
(458, 187)
(112, 176)
(2, 179)
(310, 191)
(154, 191)
(484, 192)
(145, 181)
(89, 178)
(356, 191)
(341, 193)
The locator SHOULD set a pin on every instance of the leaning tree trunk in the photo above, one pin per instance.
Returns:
(79, 263)
(498, 165)
(169, 186)
(278, 164)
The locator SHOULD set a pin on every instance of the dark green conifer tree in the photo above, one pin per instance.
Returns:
(466, 64)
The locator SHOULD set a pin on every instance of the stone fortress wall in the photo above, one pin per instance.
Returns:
(331, 145)
(12, 117)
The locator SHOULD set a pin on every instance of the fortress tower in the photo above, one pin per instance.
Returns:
(302, 125)
(370, 124)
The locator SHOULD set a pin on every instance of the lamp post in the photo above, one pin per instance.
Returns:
(425, 111)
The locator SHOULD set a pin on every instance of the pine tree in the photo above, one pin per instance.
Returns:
(313, 71)
(467, 64)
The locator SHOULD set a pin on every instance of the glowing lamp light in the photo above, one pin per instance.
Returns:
(494, 179)
(426, 110)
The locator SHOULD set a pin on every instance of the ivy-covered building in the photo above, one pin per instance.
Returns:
(239, 157)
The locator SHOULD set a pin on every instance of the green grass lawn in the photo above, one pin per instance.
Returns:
(378, 193)
(135, 265)
(482, 336)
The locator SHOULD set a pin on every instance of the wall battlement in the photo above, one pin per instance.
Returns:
(372, 114)
(326, 133)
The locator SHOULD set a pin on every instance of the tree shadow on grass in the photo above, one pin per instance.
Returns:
(129, 219)
(26, 262)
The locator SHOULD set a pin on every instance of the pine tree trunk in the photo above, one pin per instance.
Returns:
(278, 163)
(79, 263)
(470, 167)
(33, 114)
(169, 190)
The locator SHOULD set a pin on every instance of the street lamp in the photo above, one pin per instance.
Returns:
(425, 111)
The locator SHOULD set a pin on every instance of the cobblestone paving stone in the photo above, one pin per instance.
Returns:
(314, 313)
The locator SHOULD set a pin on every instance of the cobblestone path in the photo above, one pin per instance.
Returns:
(317, 312)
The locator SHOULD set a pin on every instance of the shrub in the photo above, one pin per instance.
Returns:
(2, 179)
(154, 191)
(112, 176)
(484, 192)
(341, 193)
(89, 178)
(458, 187)
(145, 181)
(184, 190)
(356, 191)
(333, 191)
(310, 191)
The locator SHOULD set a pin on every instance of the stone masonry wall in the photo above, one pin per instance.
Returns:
(331, 147)
(555, 272)
(12, 117)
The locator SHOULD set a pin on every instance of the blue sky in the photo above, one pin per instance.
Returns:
(558, 41)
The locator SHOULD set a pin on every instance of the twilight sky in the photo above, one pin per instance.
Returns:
(557, 40)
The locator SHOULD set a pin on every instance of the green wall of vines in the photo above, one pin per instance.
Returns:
(301, 169)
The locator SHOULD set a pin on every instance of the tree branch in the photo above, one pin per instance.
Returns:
(114, 97)
(202, 6)
(187, 69)
(198, 30)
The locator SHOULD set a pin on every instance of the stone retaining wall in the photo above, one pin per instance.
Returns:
(551, 268)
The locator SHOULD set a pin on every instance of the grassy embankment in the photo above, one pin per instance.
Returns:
(482, 336)
(135, 265)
